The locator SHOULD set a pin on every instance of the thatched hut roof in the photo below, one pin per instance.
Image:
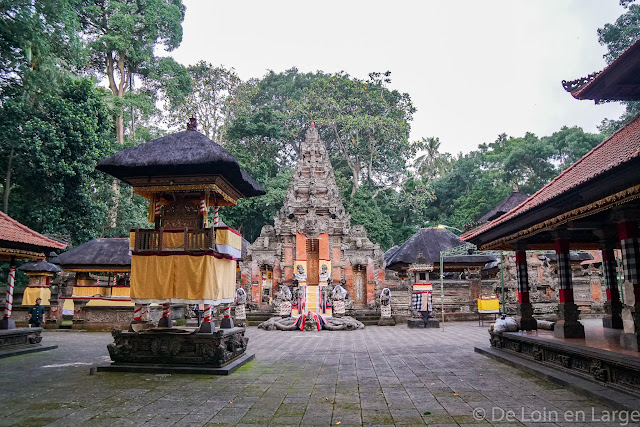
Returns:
(97, 252)
(430, 242)
(39, 267)
(511, 201)
(573, 257)
(182, 153)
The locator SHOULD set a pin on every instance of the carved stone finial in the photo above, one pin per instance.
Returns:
(192, 124)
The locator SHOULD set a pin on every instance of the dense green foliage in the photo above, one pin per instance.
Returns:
(56, 123)
(54, 145)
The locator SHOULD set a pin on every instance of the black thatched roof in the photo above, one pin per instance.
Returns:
(573, 257)
(39, 267)
(97, 252)
(392, 250)
(511, 201)
(181, 153)
(429, 242)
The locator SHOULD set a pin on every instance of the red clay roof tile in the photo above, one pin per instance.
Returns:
(12, 231)
(619, 148)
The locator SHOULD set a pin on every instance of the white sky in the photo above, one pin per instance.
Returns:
(473, 68)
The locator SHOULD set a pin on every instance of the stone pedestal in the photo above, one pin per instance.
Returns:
(7, 323)
(630, 342)
(420, 323)
(568, 325)
(241, 316)
(612, 319)
(527, 322)
(177, 347)
(226, 323)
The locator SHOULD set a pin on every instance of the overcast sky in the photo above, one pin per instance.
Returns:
(474, 68)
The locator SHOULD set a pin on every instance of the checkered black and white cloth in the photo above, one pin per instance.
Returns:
(564, 270)
(422, 301)
(523, 274)
(630, 253)
(610, 275)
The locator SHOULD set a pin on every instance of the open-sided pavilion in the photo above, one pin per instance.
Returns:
(594, 204)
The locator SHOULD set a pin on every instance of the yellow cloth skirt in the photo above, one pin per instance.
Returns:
(182, 279)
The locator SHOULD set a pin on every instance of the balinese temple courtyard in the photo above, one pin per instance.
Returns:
(373, 376)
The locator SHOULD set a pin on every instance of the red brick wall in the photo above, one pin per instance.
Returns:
(301, 247)
(255, 278)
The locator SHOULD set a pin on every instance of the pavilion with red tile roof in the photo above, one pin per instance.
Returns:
(18, 241)
(594, 204)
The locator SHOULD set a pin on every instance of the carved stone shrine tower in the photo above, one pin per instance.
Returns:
(312, 244)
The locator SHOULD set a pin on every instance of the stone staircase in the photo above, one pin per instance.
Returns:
(254, 318)
(368, 317)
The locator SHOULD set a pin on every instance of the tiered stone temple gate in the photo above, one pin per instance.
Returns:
(182, 260)
(312, 243)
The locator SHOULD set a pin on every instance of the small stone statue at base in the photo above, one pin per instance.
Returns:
(338, 296)
(241, 314)
(385, 309)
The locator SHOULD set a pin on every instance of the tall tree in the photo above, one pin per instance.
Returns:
(122, 38)
(209, 100)
(58, 141)
(367, 123)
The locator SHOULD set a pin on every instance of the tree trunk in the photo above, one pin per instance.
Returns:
(120, 129)
(356, 181)
(7, 184)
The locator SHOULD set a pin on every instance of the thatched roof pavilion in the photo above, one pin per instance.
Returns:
(430, 242)
(511, 201)
(98, 255)
(39, 267)
(188, 153)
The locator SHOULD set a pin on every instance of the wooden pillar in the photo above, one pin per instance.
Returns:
(630, 243)
(567, 325)
(525, 309)
(165, 320)
(7, 322)
(207, 320)
(613, 306)
(227, 321)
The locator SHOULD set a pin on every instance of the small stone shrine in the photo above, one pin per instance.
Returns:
(312, 246)
(183, 260)
(421, 294)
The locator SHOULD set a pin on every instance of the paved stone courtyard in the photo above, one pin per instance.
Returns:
(376, 376)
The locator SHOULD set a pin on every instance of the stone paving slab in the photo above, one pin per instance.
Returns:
(376, 376)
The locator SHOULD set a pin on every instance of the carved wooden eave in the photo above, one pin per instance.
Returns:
(221, 192)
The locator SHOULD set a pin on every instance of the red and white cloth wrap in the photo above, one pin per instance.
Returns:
(158, 209)
(137, 312)
(338, 306)
(241, 313)
(207, 313)
(216, 217)
(226, 311)
(318, 320)
(166, 310)
(285, 308)
(9, 304)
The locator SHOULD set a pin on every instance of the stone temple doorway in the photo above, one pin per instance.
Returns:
(359, 285)
(266, 285)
